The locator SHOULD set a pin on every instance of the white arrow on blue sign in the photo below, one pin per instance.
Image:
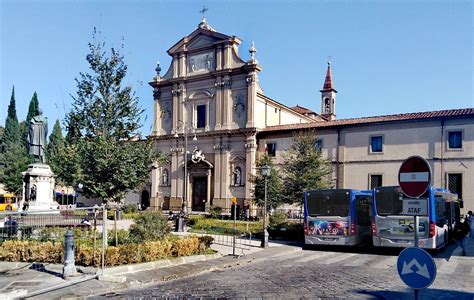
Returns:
(416, 268)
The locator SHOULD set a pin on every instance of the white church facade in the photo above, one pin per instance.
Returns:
(210, 102)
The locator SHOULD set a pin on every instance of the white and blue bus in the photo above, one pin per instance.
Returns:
(392, 228)
(337, 217)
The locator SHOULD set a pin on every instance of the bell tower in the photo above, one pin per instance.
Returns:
(328, 97)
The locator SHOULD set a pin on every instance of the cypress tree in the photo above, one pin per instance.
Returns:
(54, 148)
(33, 110)
(12, 128)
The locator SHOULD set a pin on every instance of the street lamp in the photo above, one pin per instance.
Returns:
(265, 172)
(184, 206)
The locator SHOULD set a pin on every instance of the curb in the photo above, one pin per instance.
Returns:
(125, 269)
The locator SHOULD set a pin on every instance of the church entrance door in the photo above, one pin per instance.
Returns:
(199, 193)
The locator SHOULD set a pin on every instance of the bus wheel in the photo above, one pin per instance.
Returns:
(8, 207)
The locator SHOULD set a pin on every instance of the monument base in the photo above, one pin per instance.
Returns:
(38, 189)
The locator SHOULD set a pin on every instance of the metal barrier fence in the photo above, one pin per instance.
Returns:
(40, 244)
(232, 238)
(254, 214)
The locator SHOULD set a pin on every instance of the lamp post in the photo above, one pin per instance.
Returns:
(184, 206)
(265, 172)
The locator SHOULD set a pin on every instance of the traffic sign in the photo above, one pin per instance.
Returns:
(416, 268)
(415, 207)
(414, 176)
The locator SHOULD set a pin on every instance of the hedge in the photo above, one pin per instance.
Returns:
(48, 252)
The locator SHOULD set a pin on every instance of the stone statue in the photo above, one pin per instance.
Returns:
(38, 132)
(237, 177)
(197, 155)
(165, 178)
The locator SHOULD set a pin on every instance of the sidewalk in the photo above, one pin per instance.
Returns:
(18, 280)
(469, 249)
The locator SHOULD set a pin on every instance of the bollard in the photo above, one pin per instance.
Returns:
(69, 249)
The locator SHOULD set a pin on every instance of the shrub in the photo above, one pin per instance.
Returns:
(205, 242)
(278, 219)
(130, 208)
(185, 247)
(149, 226)
(215, 211)
(122, 237)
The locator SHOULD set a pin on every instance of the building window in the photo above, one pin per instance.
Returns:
(376, 143)
(271, 149)
(455, 184)
(201, 116)
(455, 139)
(375, 181)
(319, 145)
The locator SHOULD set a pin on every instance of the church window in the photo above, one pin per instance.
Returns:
(455, 139)
(376, 144)
(327, 105)
(201, 116)
(319, 145)
(271, 149)
(375, 180)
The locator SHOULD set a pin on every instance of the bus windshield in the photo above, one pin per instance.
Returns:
(388, 201)
(328, 203)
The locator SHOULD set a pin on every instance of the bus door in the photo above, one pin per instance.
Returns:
(363, 216)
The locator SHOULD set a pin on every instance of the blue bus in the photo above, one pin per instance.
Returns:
(337, 217)
(392, 228)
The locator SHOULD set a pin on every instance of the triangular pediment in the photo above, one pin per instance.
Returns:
(201, 38)
(237, 158)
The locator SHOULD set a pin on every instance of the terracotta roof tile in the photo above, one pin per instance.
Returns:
(462, 112)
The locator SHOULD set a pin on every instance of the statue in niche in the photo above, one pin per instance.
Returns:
(164, 178)
(237, 177)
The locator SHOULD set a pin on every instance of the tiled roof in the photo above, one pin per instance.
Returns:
(462, 112)
(302, 110)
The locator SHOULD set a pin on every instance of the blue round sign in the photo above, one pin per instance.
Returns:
(416, 268)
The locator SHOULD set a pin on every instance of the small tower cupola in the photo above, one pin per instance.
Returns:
(328, 96)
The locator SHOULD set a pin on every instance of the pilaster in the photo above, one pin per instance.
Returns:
(252, 98)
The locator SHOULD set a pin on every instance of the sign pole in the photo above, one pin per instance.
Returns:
(417, 219)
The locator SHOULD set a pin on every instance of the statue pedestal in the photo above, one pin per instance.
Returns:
(39, 178)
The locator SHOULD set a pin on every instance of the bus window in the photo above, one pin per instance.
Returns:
(388, 201)
(440, 206)
(328, 203)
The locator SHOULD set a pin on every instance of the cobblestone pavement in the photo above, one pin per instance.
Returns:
(316, 274)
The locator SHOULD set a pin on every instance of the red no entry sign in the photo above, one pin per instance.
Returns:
(414, 176)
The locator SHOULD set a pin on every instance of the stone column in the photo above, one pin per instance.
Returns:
(227, 101)
(250, 157)
(155, 179)
(175, 94)
(175, 66)
(251, 98)
(227, 57)
(219, 58)
(218, 104)
(157, 128)
(208, 195)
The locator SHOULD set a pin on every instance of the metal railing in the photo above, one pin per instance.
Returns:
(33, 245)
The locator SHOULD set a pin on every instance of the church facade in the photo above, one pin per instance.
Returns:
(212, 120)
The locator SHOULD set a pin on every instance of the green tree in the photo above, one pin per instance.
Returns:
(274, 185)
(104, 126)
(304, 168)
(16, 161)
(33, 110)
(54, 150)
(12, 130)
(15, 158)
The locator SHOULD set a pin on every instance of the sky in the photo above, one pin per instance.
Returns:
(387, 57)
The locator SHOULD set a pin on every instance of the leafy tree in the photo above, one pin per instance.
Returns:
(104, 126)
(16, 161)
(304, 168)
(274, 185)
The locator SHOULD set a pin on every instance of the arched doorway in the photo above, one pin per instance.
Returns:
(145, 200)
(200, 190)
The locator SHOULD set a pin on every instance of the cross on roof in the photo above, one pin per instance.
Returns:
(203, 11)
